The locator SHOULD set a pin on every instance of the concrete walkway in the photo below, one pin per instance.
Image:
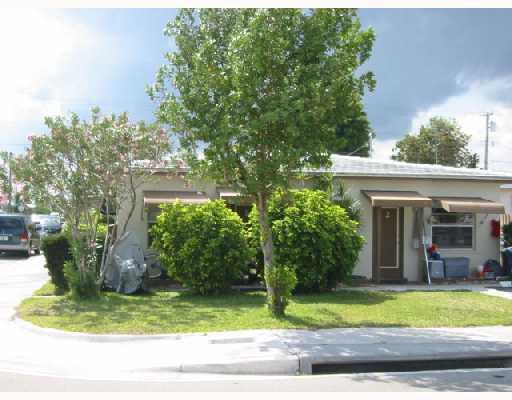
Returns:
(28, 349)
(487, 288)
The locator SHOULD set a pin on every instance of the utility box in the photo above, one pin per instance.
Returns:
(436, 269)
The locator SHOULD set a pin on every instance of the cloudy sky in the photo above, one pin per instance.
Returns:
(455, 63)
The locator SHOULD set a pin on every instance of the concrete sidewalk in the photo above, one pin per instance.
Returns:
(25, 348)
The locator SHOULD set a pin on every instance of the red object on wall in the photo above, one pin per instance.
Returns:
(495, 227)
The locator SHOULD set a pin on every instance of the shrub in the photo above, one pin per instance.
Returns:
(507, 234)
(56, 250)
(283, 279)
(201, 246)
(82, 286)
(312, 235)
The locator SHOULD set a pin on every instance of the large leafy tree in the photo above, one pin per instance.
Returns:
(354, 133)
(260, 92)
(441, 141)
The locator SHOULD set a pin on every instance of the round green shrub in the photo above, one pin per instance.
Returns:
(201, 246)
(312, 235)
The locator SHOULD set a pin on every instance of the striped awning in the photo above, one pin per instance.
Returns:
(475, 205)
(162, 197)
(382, 198)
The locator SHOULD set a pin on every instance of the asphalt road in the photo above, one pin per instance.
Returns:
(460, 380)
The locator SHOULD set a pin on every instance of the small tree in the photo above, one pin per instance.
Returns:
(441, 142)
(79, 165)
(263, 91)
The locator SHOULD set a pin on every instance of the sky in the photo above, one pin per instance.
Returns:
(455, 63)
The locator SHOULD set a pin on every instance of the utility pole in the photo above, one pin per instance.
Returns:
(487, 116)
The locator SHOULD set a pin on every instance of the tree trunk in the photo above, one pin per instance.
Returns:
(267, 246)
(133, 200)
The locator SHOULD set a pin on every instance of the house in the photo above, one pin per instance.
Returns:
(404, 206)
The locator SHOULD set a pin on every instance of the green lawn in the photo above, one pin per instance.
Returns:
(170, 312)
(48, 289)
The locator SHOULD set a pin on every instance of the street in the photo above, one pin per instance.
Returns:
(32, 361)
(462, 380)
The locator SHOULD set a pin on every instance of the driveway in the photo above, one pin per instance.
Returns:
(19, 278)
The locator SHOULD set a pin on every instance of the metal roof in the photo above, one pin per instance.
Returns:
(362, 166)
(370, 167)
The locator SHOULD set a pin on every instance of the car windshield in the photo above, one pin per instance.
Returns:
(11, 225)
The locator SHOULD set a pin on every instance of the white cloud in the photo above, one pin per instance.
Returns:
(467, 108)
(37, 48)
(383, 148)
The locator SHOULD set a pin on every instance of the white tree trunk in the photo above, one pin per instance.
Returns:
(267, 247)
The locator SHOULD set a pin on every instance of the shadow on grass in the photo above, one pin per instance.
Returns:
(347, 297)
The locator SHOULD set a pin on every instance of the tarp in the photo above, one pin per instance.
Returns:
(125, 267)
(475, 205)
(382, 198)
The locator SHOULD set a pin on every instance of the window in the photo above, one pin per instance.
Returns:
(152, 214)
(452, 230)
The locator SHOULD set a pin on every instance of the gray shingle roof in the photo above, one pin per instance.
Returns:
(361, 166)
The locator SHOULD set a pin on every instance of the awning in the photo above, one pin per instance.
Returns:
(234, 197)
(228, 194)
(469, 205)
(161, 197)
(381, 198)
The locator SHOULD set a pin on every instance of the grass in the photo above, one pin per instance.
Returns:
(171, 312)
(49, 289)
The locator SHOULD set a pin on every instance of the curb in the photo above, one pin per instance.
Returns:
(91, 337)
(385, 354)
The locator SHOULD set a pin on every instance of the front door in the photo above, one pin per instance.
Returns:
(388, 225)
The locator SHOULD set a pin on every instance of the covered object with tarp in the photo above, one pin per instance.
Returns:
(125, 268)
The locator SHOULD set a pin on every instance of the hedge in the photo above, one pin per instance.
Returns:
(312, 235)
(201, 246)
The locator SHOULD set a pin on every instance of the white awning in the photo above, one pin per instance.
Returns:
(475, 205)
(384, 198)
(233, 197)
(162, 197)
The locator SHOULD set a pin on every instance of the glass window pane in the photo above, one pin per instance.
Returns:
(452, 237)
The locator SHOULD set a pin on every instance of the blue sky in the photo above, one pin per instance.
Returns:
(456, 63)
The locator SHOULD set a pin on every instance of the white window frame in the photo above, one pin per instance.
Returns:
(455, 225)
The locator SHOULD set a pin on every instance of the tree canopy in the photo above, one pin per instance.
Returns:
(80, 164)
(262, 92)
(441, 141)
(354, 134)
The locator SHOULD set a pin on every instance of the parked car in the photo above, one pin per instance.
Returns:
(50, 225)
(19, 235)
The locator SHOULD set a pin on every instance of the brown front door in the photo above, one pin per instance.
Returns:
(388, 228)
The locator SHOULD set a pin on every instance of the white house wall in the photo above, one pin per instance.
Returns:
(485, 246)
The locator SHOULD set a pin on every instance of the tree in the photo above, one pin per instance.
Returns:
(441, 141)
(81, 164)
(262, 91)
(354, 133)
(5, 177)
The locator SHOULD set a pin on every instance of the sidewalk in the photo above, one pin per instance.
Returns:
(25, 348)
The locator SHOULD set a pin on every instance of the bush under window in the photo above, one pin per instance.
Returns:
(312, 235)
(201, 246)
